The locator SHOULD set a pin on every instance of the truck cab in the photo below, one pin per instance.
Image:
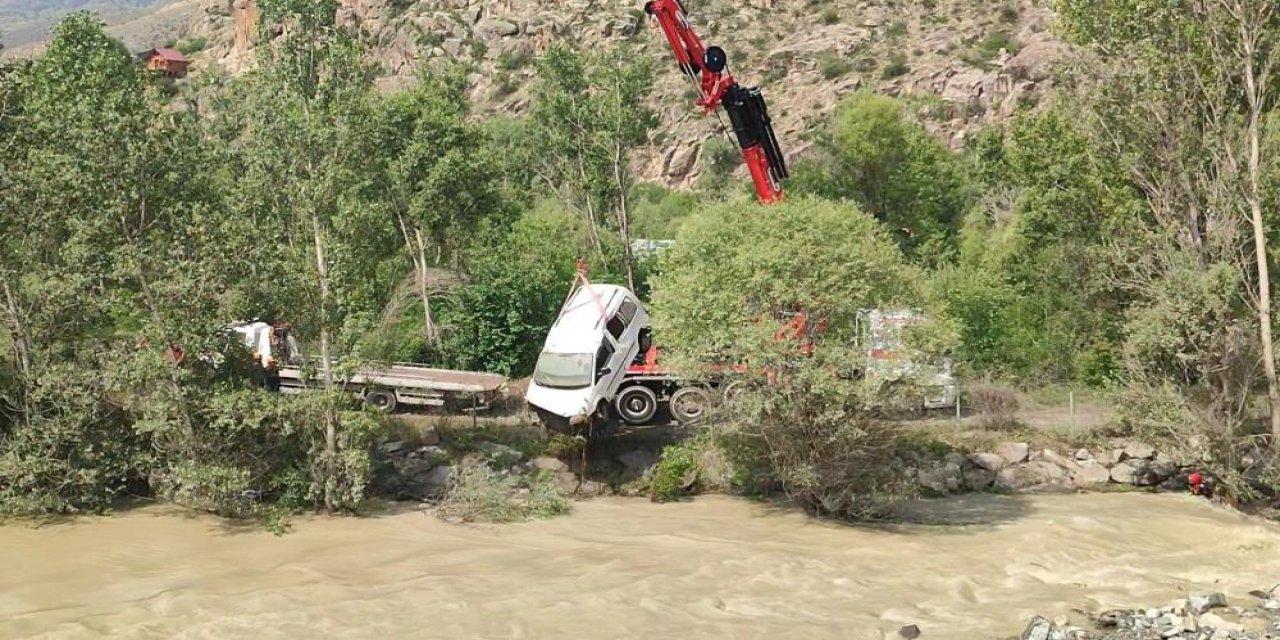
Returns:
(585, 358)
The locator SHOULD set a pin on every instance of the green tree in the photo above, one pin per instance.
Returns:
(895, 170)
(438, 181)
(518, 284)
(1190, 128)
(309, 123)
(721, 295)
(590, 111)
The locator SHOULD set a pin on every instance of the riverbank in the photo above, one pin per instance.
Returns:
(712, 567)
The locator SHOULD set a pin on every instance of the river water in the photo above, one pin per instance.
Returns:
(715, 567)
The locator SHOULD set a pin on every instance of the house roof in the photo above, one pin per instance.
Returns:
(172, 55)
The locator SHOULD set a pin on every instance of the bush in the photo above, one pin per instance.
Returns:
(832, 65)
(676, 473)
(986, 49)
(480, 494)
(74, 452)
(995, 405)
(830, 17)
(896, 67)
(514, 60)
(193, 45)
(896, 29)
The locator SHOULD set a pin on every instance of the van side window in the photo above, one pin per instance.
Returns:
(615, 327)
(603, 356)
(622, 319)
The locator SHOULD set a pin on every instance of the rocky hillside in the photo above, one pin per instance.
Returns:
(970, 60)
(141, 24)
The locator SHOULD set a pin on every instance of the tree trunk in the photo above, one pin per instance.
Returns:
(433, 335)
(21, 342)
(326, 368)
(624, 216)
(1255, 90)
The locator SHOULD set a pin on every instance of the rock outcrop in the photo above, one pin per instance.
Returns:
(805, 59)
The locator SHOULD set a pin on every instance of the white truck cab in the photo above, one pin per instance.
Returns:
(586, 355)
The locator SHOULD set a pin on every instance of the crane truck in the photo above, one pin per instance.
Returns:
(599, 361)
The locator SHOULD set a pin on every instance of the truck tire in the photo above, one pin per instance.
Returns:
(689, 405)
(381, 399)
(636, 404)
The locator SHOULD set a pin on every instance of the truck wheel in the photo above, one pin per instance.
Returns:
(636, 404)
(381, 399)
(689, 405)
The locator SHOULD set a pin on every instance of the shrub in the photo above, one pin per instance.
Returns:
(830, 17)
(1009, 14)
(479, 494)
(516, 59)
(896, 67)
(675, 474)
(193, 45)
(896, 29)
(996, 406)
(833, 65)
(74, 452)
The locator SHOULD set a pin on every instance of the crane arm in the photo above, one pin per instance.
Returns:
(748, 114)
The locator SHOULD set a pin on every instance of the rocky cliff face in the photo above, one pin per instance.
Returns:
(970, 61)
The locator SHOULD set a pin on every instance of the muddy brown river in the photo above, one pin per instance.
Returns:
(712, 568)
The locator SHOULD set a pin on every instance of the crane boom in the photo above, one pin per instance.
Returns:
(745, 106)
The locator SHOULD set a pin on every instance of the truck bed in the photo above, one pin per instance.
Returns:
(410, 376)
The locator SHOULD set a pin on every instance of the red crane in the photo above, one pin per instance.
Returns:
(708, 67)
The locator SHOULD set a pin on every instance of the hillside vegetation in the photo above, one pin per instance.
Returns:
(1117, 237)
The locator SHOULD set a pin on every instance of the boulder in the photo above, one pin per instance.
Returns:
(943, 478)
(1014, 452)
(1083, 454)
(436, 483)
(987, 461)
(977, 478)
(681, 161)
(1053, 457)
(547, 463)
(1041, 629)
(1201, 604)
(499, 455)
(1135, 472)
(1039, 475)
(389, 448)
(1090, 473)
(1139, 450)
(1218, 624)
(497, 28)
(909, 632)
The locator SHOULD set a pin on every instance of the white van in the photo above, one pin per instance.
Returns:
(586, 355)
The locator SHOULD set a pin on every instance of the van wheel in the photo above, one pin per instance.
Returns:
(689, 405)
(636, 404)
(381, 399)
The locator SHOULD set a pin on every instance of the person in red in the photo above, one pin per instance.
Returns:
(1200, 485)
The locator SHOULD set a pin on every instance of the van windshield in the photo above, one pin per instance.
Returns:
(563, 370)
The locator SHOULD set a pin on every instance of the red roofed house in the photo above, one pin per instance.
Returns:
(168, 61)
